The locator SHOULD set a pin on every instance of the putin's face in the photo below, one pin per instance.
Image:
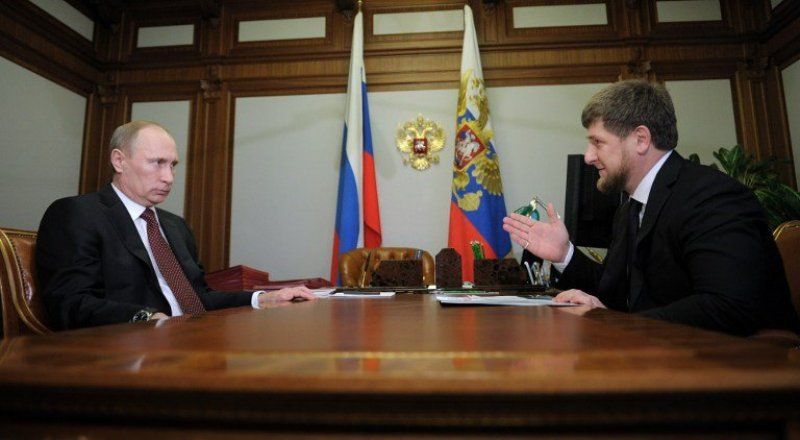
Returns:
(146, 169)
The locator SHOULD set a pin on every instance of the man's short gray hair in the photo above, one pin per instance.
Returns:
(124, 136)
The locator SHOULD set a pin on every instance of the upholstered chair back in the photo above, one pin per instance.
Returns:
(356, 266)
(23, 311)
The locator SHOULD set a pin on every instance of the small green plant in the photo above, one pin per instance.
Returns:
(780, 201)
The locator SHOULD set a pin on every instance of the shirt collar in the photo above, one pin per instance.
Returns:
(134, 209)
(642, 191)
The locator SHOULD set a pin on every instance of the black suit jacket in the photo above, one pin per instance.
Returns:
(705, 257)
(93, 268)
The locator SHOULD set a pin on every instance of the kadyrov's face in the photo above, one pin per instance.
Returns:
(610, 154)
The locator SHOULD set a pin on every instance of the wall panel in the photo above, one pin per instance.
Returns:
(791, 88)
(42, 128)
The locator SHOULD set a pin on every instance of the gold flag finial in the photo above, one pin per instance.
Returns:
(359, 4)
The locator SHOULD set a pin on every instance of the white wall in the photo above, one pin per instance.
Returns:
(174, 116)
(40, 146)
(67, 14)
(705, 117)
(791, 90)
(287, 150)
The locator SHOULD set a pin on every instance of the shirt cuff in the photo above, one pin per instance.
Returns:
(254, 299)
(563, 265)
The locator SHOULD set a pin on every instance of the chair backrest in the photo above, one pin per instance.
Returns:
(23, 310)
(356, 266)
(787, 237)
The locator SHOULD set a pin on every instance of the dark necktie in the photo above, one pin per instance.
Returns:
(633, 229)
(169, 267)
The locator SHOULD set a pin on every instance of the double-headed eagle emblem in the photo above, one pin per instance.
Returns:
(421, 139)
(474, 155)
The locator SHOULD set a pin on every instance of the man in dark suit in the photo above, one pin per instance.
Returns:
(111, 256)
(691, 245)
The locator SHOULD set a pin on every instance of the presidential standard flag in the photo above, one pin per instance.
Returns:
(477, 206)
(358, 222)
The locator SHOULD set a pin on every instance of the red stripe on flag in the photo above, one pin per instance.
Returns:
(335, 259)
(372, 216)
(461, 233)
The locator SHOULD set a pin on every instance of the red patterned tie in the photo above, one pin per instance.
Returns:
(169, 267)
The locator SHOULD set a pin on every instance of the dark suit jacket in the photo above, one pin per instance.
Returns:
(93, 268)
(705, 257)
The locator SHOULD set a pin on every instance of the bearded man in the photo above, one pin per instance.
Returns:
(690, 245)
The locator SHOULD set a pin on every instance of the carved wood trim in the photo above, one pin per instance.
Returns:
(730, 24)
(208, 200)
(169, 54)
(763, 129)
(593, 34)
(237, 14)
(33, 39)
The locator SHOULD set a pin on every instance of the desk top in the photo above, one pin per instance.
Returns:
(404, 349)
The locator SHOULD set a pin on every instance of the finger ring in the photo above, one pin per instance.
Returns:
(526, 244)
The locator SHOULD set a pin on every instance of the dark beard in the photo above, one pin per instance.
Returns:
(613, 183)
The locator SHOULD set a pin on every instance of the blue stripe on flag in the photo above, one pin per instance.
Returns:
(347, 210)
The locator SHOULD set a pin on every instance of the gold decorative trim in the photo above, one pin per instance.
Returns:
(791, 224)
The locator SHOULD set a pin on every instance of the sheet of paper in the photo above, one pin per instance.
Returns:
(502, 300)
(362, 294)
(323, 293)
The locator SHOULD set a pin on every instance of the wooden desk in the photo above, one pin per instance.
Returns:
(404, 364)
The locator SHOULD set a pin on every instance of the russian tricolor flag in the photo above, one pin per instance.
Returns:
(358, 193)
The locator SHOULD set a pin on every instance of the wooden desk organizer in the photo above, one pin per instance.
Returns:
(398, 273)
(448, 269)
(494, 272)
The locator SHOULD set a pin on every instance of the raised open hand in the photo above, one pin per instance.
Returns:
(548, 240)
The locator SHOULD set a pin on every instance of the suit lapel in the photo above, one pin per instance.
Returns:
(659, 194)
(119, 217)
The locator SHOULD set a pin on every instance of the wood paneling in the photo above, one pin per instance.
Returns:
(39, 42)
(749, 46)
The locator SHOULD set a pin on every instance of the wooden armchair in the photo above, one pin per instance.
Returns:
(22, 310)
(787, 238)
(356, 266)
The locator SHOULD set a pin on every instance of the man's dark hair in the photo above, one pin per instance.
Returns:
(625, 105)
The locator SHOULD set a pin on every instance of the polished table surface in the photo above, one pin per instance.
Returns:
(400, 362)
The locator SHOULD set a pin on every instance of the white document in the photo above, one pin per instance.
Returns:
(363, 294)
(501, 300)
(323, 293)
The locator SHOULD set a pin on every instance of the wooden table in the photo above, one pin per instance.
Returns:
(404, 364)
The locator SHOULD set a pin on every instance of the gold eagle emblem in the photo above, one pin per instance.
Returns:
(420, 140)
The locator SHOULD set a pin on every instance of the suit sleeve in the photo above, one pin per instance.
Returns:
(720, 239)
(70, 270)
(581, 273)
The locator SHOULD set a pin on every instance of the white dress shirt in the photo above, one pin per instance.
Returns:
(640, 194)
(135, 210)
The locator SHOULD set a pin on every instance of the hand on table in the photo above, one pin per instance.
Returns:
(576, 296)
(300, 293)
